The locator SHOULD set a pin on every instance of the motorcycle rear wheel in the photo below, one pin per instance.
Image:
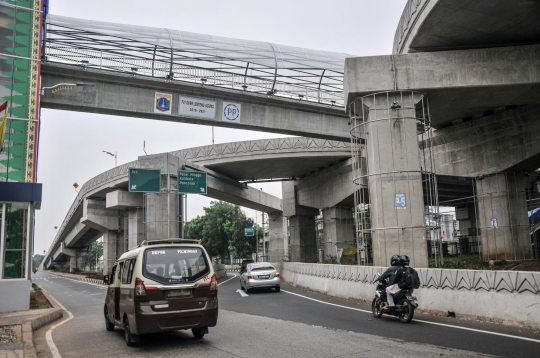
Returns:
(376, 308)
(407, 311)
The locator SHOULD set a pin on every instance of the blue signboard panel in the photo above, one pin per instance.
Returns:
(400, 200)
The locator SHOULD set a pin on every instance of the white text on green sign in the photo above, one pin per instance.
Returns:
(190, 182)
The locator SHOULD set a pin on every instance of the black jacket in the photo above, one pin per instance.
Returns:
(389, 274)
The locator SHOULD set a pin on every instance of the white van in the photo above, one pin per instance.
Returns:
(159, 286)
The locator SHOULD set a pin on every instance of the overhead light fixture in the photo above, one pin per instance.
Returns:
(244, 87)
(84, 63)
(333, 103)
(170, 76)
(300, 96)
(203, 81)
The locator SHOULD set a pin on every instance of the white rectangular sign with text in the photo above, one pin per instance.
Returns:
(196, 107)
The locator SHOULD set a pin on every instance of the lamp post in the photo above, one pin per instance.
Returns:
(113, 155)
(66, 85)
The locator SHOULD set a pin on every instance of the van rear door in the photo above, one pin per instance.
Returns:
(182, 274)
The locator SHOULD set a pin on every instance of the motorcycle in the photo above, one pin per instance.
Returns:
(406, 303)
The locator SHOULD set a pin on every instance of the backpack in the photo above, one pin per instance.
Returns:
(409, 279)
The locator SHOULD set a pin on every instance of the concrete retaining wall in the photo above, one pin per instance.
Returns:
(509, 297)
(220, 270)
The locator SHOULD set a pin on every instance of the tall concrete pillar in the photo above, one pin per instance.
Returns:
(502, 214)
(72, 263)
(394, 177)
(113, 248)
(301, 226)
(277, 249)
(134, 227)
(302, 238)
(338, 226)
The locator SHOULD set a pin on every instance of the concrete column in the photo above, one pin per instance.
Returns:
(393, 161)
(502, 214)
(134, 227)
(301, 230)
(72, 263)
(339, 232)
(113, 248)
(302, 238)
(158, 207)
(276, 235)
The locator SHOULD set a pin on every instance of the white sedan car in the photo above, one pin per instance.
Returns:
(260, 275)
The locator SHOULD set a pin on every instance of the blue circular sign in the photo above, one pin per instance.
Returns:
(231, 112)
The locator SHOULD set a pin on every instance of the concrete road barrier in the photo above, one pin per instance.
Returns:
(509, 297)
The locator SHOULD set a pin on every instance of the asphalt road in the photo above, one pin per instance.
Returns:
(291, 323)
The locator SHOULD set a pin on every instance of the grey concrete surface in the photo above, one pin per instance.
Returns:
(269, 324)
(458, 83)
(497, 296)
(439, 25)
(508, 140)
(122, 94)
(25, 322)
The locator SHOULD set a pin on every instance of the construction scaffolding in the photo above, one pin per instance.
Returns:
(396, 202)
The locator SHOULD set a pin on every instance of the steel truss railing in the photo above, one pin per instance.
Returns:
(208, 66)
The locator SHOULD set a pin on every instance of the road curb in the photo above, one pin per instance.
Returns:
(79, 278)
(34, 323)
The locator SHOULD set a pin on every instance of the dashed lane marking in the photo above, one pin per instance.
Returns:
(418, 320)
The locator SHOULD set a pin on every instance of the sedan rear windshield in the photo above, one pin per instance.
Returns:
(258, 268)
(175, 264)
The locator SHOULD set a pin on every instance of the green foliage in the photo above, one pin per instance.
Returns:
(36, 260)
(222, 229)
(95, 252)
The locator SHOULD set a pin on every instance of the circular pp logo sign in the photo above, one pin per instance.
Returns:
(231, 112)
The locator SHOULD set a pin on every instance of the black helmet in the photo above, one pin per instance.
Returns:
(394, 261)
(404, 260)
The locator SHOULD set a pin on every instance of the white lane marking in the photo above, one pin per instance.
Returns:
(418, 320)
(54, 351)
(227, 280)
(242, 293)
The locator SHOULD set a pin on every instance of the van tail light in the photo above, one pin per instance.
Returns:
(213, 287)
(250, 276)
(140, 290)
(276, 274)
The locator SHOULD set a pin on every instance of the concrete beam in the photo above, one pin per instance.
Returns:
(121, 94)
(508, 140)
(121, 199)
(98, 217)
(330, 187)
(457, 83)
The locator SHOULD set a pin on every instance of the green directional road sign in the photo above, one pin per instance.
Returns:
(192, 182)
(248, 231)
(144, 180)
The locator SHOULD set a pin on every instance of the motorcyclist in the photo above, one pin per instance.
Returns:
(390, 274)
(394, 288)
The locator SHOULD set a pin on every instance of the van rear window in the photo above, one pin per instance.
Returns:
(174, 265)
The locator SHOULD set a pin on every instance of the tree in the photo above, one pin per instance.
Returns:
(221, 228)
(36, 260)
(96, 251)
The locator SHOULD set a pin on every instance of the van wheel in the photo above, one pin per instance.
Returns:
(198, 333)
(130, 338)
(108, 325)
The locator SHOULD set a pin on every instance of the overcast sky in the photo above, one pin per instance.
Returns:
(71, 143)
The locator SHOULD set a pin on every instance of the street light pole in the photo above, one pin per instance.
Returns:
(113, 155)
